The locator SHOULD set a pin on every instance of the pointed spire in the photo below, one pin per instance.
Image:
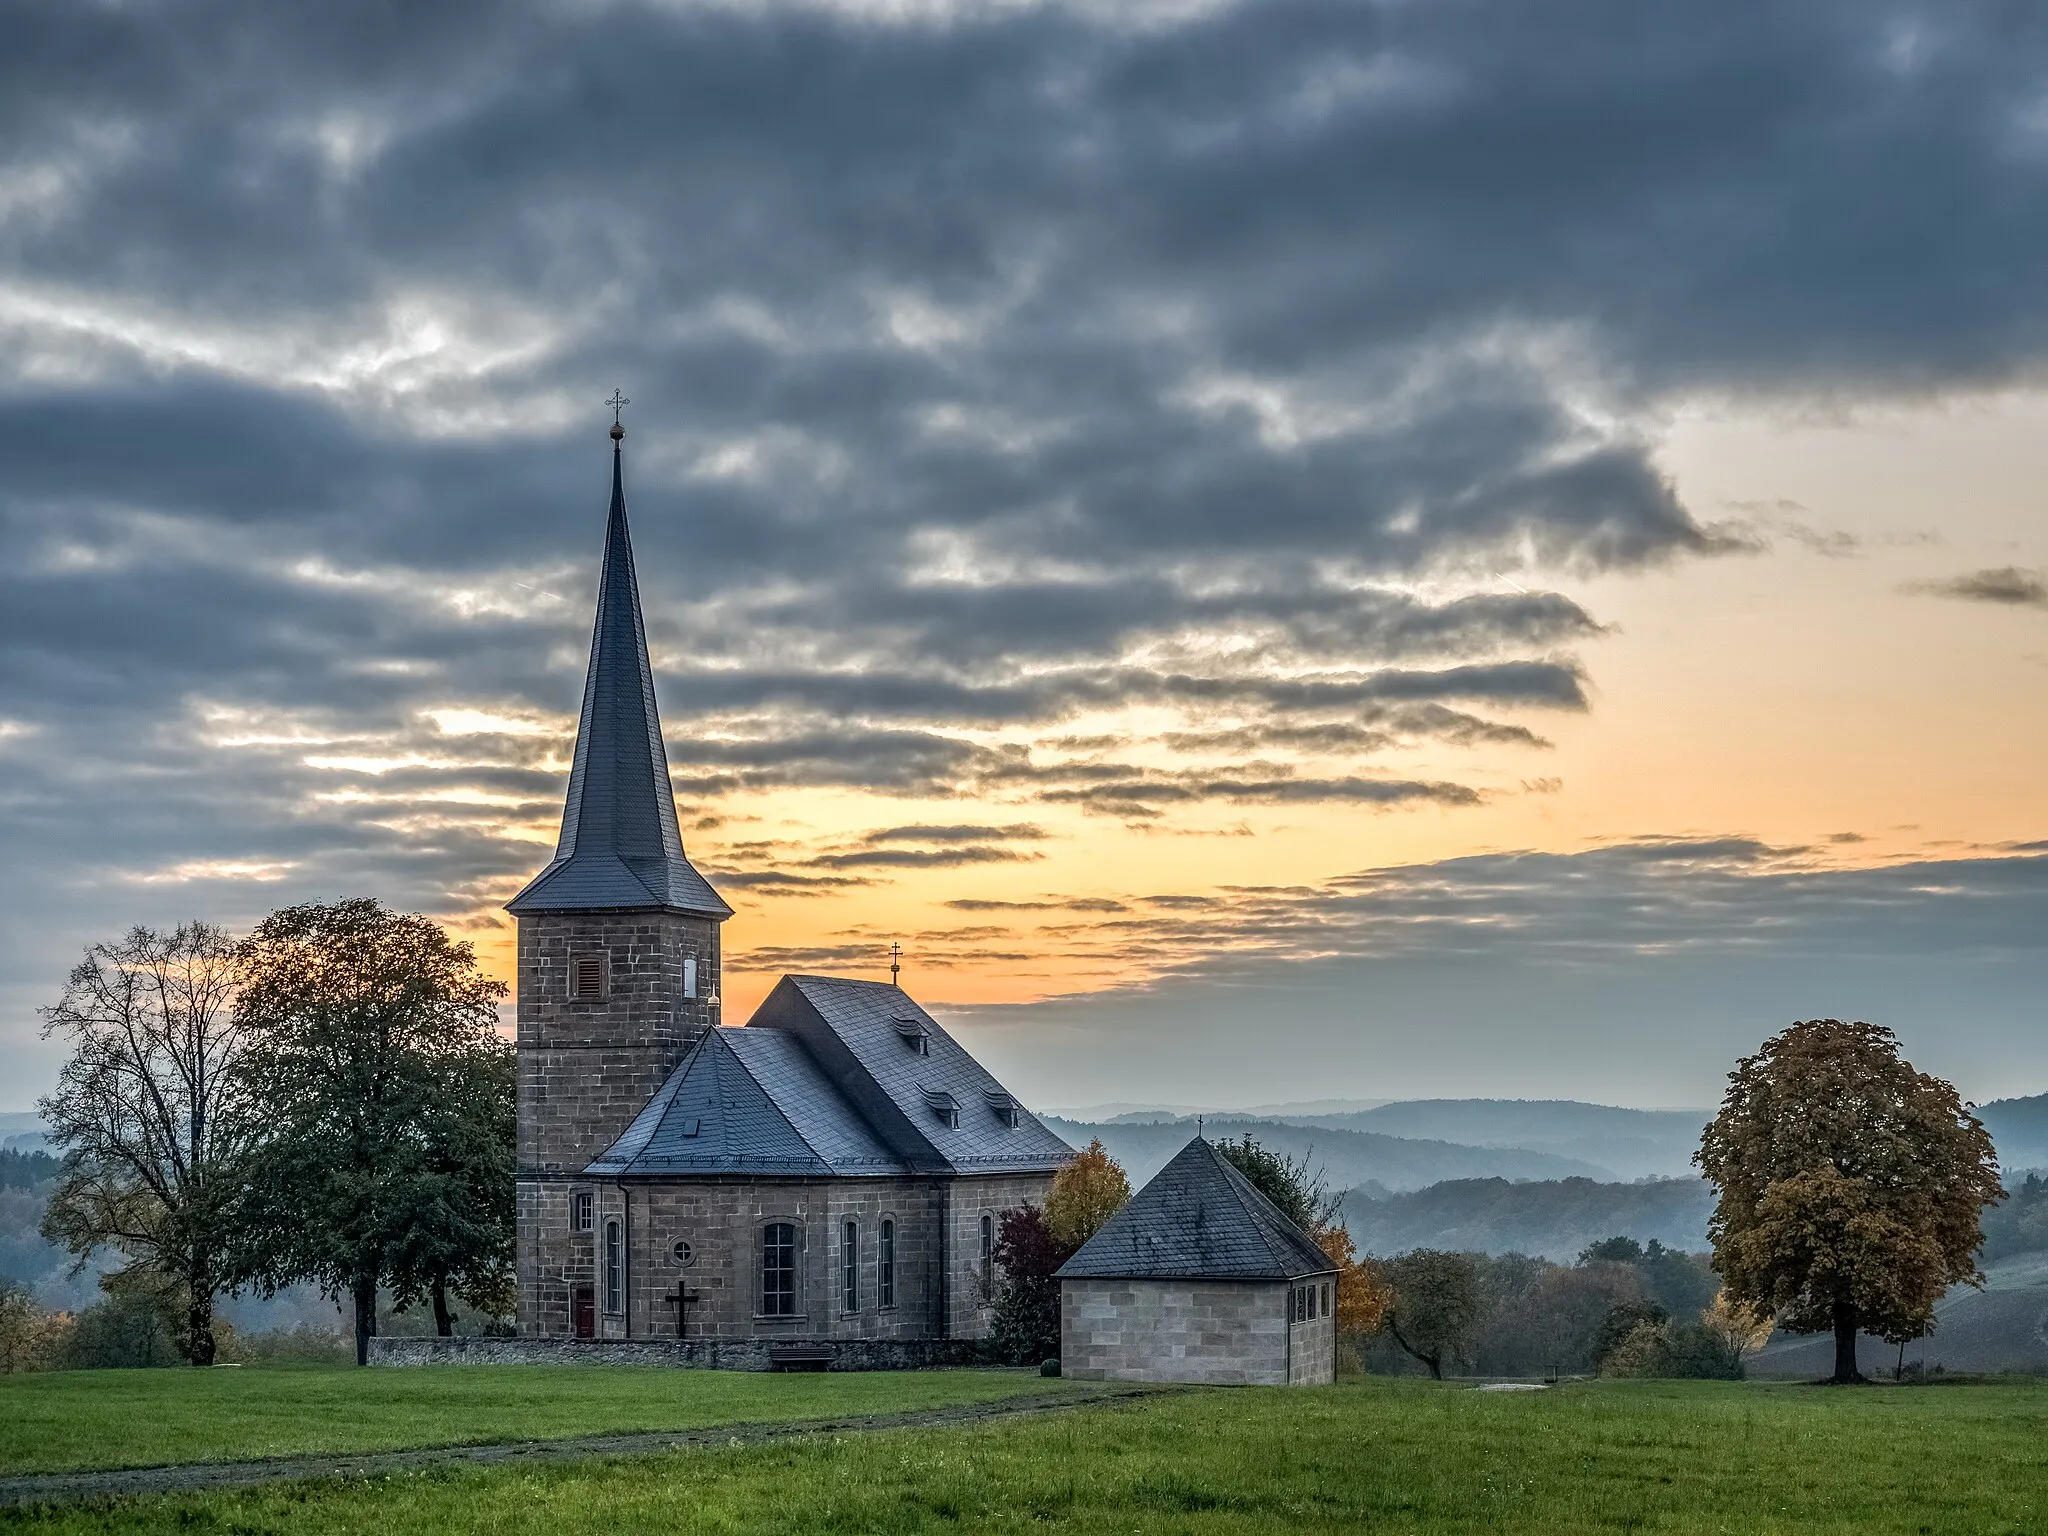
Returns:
(620, 845)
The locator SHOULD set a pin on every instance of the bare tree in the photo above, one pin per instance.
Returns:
(148, 1112)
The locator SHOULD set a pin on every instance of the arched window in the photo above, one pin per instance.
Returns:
(614, 1267)
(778, 1269)
(849, 1268)
(885, 1271)
(988, 1255)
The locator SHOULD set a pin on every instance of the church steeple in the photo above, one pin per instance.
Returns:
(620, 845)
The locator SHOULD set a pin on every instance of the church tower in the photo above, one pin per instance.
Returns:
(618, 951)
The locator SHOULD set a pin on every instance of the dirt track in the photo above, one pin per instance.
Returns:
(72, 1487)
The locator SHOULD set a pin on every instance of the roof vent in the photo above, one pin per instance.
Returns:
(913, 1033)
(945, 1106)
(1005, 1108)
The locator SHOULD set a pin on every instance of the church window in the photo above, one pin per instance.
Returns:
(988, 1255)
(690, 977)
(778, 1269)
(586, 978)
(885, 1271)
(849, 1269)
(614, 1268)
(581, 1211)
(1326, 1298)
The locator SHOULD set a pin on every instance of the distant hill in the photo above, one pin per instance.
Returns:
(1348, 1158)
(2019, 1127)
(1624, 1143)
(2001, 1328)
(1552, 1218)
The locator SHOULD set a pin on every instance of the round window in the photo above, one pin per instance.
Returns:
(685, 1255)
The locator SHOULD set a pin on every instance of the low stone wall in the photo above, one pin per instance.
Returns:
(691, 1354)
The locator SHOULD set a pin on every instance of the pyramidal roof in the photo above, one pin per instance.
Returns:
(620, 845)
(1199, 1219)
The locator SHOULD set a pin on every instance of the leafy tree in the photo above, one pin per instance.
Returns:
(150, 1112)
(1362, 1297)
(1851, 1186)
(1300, 1191)
(1624, 1320)
(1085, 1193)
(135, 1324)
(1681, 1282)
(25, 1331)
(1438, 1305)
(2022, 1226)
(454, 1217)
(367, 1028)
(1025, 1329)
(1741, 1328)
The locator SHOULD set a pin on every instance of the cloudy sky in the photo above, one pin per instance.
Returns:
(1288, 549)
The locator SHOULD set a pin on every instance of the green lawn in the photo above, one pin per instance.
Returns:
(62, 1420)
(1380, 1455)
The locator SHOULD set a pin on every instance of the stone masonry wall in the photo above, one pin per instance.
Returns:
(1227, 1333)
(586, 1068)
(696, 1354)
(970, 1300)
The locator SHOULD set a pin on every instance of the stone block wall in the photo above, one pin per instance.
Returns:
(969, 1299)
(586, 1068)
(1227, 1333)
(694, 1354)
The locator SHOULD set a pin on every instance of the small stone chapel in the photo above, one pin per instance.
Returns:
(819, 1186)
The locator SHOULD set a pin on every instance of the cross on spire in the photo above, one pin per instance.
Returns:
(618, 403)
(895, 962)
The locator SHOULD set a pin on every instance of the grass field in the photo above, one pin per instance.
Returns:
(1382, 1455)
(62, 1420)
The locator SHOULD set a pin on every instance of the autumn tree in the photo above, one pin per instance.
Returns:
(1851, 1186)
(151, 1114)
(368, 1031)
(1740, 1327)
(1085, 1193)
(1437, 1305)
(1025, 1328)
(1362, 1296)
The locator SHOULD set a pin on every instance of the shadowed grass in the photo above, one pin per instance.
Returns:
(1399, 1456)
(64, 1420)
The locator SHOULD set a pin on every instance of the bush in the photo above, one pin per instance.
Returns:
(126, 1330)
(1026, 1325)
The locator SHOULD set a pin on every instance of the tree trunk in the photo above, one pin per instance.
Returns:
(1436, 1365)
(1845, 1346)
(444, 1320)
(199, 1341)
(366, 1316)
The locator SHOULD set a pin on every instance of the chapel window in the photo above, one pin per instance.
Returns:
(614, 1268)
(1326, 1298)
(988, 1254)
(885, 1274)
(849, 1269)
(582, 1211)
(778, 1269)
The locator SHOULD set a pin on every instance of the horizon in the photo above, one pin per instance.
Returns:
(1265, 555)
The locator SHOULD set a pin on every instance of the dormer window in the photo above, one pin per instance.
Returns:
(945, 1106)
(911, 1031)
(586, 979)
(1003, 1107)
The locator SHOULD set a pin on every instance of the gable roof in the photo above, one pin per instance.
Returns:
(756, 1105)
(1199, 1219)
(900, 1069)
(620, 846)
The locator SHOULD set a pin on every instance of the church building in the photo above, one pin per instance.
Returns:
(821, 1185)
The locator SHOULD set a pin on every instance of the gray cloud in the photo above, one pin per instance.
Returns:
(2008, 585)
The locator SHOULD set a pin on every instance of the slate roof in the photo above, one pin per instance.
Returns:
(620, 845)
(1199, 1219)
(832, 1077)
(898, 1067)
(748, 1101)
